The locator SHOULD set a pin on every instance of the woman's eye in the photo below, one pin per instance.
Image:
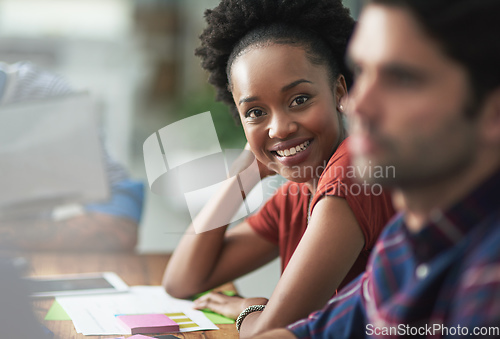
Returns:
(254, 113)
(299, 100)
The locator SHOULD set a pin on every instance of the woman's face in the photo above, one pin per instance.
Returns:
(287, 107)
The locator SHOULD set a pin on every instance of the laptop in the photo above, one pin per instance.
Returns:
(50, 155)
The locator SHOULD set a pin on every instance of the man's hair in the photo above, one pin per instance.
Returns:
(469, 33)
(321, 27)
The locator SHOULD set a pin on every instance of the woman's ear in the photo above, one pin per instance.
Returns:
(341, 93)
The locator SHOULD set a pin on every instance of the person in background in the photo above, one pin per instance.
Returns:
(426, 99)
(279, 65)
(17, 319)
(110, 225)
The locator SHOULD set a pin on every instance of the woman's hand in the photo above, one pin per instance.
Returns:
(245, 159)
(230, 307)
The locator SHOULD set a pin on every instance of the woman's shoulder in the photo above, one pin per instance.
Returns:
(338, 165)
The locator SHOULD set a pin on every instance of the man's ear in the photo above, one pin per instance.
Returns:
(490, 120)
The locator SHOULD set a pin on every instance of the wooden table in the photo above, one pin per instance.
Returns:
(134, 269)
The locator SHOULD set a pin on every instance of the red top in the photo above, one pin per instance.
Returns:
(283, 219)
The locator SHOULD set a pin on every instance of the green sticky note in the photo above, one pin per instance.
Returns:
(217, 318)
(56, 312)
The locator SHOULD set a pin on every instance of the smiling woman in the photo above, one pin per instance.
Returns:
(296, 107)
(279, 66)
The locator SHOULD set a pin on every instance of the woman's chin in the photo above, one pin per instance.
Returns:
(295, 176)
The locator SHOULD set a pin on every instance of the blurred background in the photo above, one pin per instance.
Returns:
(136, 58)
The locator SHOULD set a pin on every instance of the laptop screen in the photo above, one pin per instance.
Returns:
(50, 154)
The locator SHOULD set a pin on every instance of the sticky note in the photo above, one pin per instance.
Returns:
(217, 318)
(57, 312)
(148, 323)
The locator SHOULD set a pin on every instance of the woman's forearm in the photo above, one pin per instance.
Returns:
(192, 268)
(193, 260)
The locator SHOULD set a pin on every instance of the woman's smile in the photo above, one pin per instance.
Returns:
(293, 152)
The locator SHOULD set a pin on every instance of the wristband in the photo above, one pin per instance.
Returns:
(247, 311)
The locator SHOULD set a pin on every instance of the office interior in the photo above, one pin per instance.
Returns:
(136, 58)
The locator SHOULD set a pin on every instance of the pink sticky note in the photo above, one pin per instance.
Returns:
(149, 323)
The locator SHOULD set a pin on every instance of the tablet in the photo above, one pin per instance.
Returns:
(76, 284)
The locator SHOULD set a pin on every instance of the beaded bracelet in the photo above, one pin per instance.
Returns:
(247, 311)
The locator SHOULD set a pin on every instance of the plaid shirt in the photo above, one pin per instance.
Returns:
(442, 282)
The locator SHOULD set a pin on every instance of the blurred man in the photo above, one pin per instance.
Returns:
(17, 319)
(110, 225)
(426, 100)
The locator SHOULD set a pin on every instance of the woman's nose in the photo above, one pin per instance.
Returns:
(282, 125)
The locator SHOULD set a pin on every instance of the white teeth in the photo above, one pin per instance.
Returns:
(293, 150)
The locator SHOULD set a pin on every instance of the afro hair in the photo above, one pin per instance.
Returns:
(232, 20)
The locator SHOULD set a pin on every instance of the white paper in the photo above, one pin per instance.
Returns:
(95, 315)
